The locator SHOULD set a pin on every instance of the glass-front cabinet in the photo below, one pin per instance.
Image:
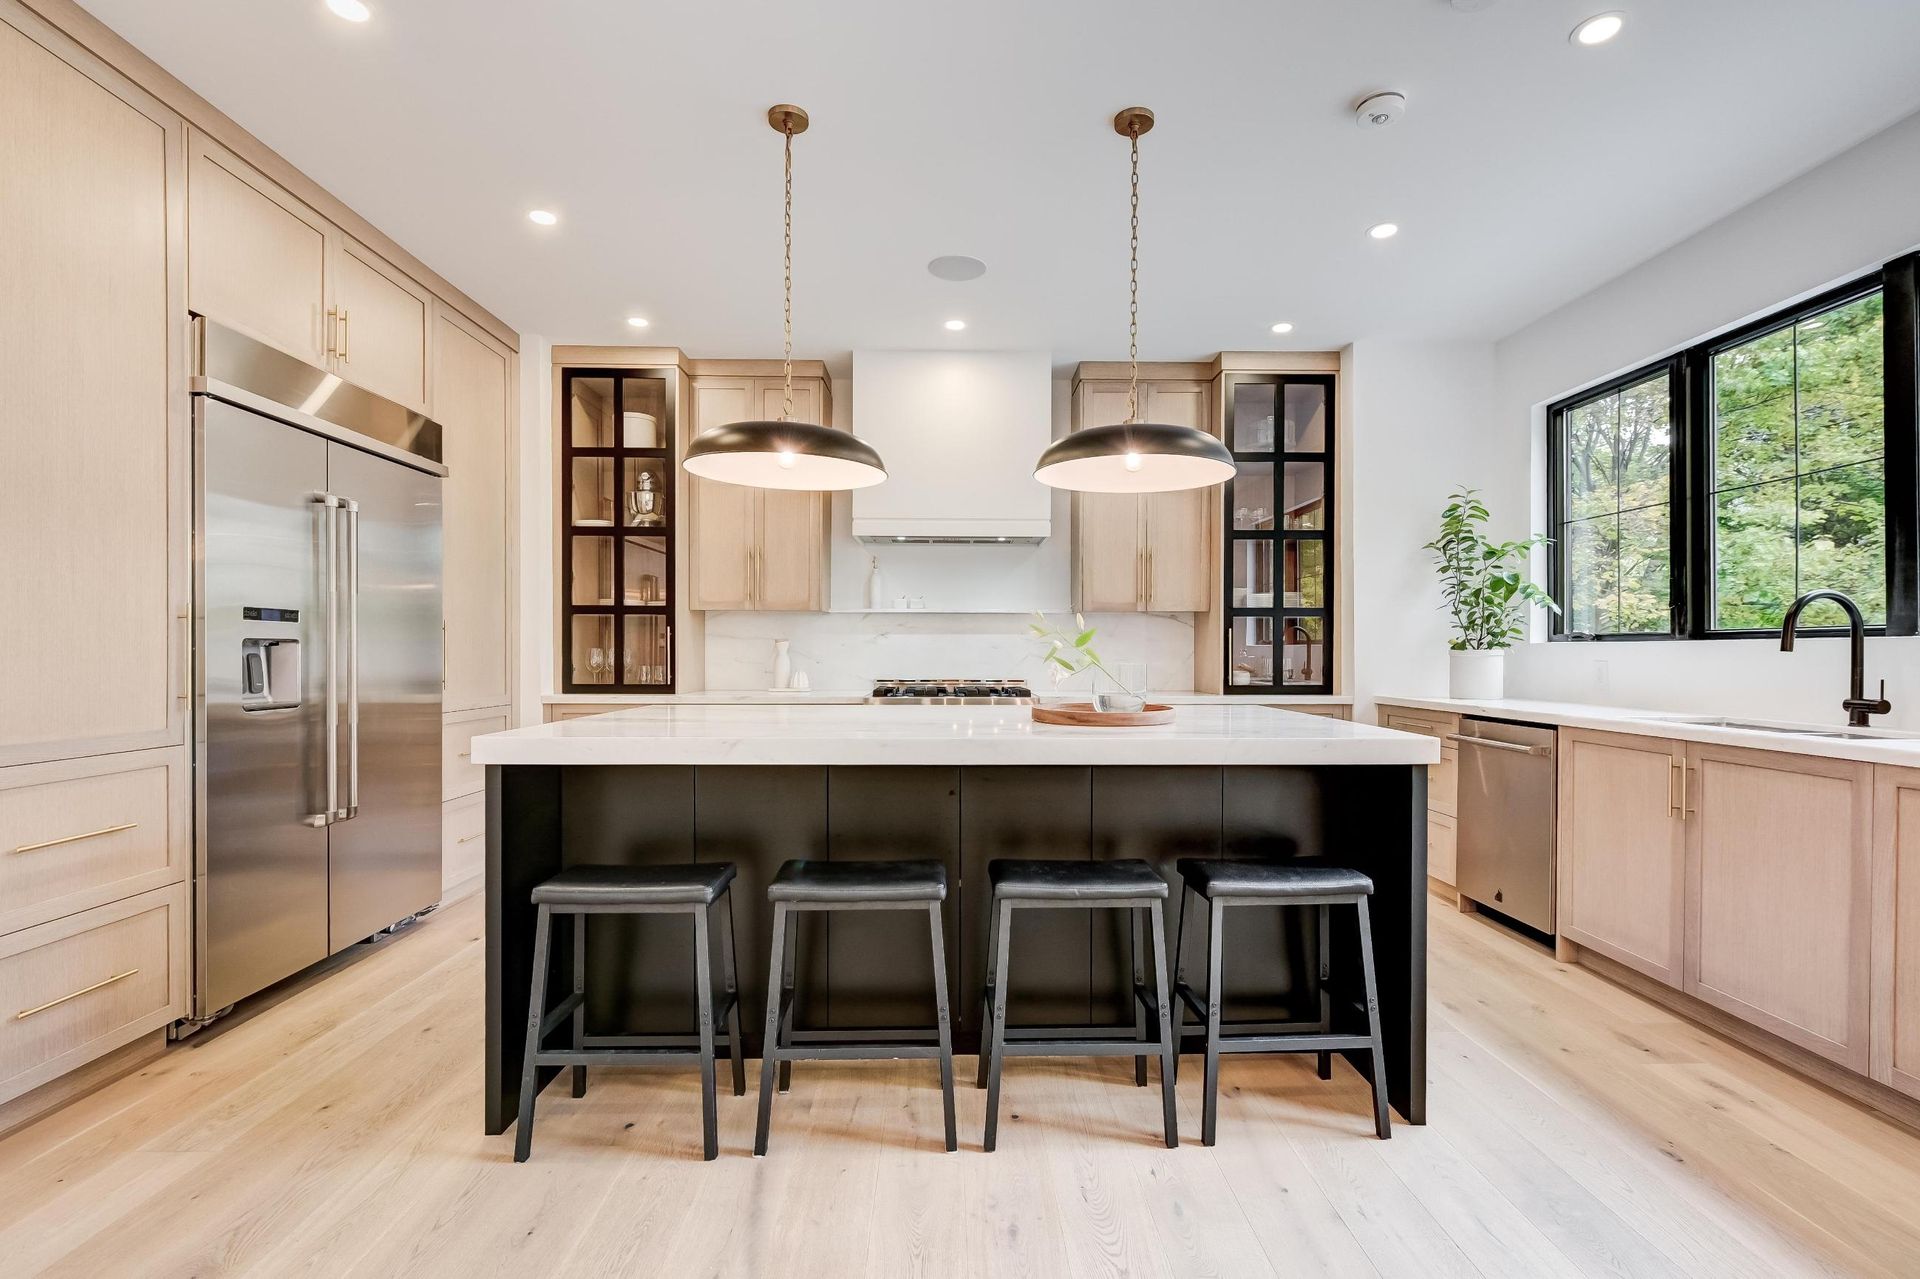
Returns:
(1279, 533)
(617, 495)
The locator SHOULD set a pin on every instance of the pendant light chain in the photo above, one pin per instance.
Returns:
(1133, 285)
(786, 411)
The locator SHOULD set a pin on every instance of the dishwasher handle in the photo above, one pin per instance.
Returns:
(1491, 744)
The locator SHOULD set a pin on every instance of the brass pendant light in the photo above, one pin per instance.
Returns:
(1134, 456)
(785, 454)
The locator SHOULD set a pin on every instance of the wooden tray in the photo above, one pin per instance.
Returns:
(1082, 715)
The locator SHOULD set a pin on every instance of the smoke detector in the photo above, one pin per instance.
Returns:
(1380, 110)
(1472, 6)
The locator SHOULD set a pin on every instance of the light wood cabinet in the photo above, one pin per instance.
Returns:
(1623, 849)
(94, 445)
(264, 263)
(1146, 553)
(463, 836)
(384, 333)
(756, 549)
(459, 775)
(1894, 1017)
(473, 401)
(1778, 882)
(1442, 782)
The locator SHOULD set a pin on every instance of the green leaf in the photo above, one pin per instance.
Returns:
(1083, 638)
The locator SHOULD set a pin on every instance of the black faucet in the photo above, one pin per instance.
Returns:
(1857, 706)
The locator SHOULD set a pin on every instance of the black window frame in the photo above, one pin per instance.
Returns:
(1690, 510)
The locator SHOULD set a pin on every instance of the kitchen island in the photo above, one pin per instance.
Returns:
(756, 785)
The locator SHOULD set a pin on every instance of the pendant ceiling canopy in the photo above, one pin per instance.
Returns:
(785, 454)
(1134, 456)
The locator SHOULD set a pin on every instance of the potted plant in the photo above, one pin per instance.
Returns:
(1485, 587)
(1070, 653)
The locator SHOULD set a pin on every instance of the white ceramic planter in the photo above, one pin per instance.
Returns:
(1477, 674)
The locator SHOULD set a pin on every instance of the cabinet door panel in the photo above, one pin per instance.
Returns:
(724, 516)
(471, 390)
(792, 537)
(1109, 556)
(93, 444)
(1778, 894)
(257, 257)
(383, 327)
(1179, 579)
(1622, 856)
(1895, 1016)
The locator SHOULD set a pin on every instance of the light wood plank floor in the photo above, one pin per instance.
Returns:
(1578, 1130)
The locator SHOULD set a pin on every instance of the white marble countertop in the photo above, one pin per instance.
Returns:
(1874, 746)
(951, 735)
(851, 697)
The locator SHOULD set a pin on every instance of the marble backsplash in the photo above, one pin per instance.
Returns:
(851, 650)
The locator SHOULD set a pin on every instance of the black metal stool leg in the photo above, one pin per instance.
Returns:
(1139, 1009)
(580, 989)
(536, 1013)
(1210, 1107)
(1326, 996)
(944, 1015)
(1377, 1056)
(787, 988)
(770, 1051)
(1162, 994)
(1002, 926)
(1179, 978)
(729, 965)
(986, 998)
(703, 997)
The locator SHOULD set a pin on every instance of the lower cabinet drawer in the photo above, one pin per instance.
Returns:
(79, 833)
(459, 775)
(463, 843)
(1441, 842)
(79, 987)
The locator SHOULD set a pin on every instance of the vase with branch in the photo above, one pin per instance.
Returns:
(1484, 590)
(1071, 652)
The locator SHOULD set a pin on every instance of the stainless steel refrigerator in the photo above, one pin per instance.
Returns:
(318, 665)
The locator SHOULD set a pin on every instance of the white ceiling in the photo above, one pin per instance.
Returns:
(1526, 172)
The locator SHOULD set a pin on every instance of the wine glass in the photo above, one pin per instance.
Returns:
(597, 662)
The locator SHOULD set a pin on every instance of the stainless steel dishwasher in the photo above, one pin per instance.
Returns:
(1506, 818)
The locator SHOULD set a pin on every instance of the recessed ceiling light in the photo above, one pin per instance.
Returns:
(351, 10)
(954, 326)
(1599, 29)
(954, 266)
(1283, 327)
(1384, 230)
(637, 321)
(540, 217)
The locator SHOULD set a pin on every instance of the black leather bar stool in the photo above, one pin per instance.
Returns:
(878, 885)
(1127, 884)
(1228, 883)
(580, 891)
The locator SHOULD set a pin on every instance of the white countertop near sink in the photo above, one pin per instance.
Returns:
(851, 697)
(948, 735)
(1888, 746)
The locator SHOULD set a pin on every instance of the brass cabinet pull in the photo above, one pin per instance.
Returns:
(74, 839)
(468, 839)
(333, 331)
(1686, 784)
(466, 755)
(25, 1013)
(346, 338)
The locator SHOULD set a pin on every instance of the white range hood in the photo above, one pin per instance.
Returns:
(959, 431)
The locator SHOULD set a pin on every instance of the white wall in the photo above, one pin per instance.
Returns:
(1416, 427)
(1844, 217)
(534, 673)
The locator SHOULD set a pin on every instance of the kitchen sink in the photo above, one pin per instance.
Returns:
(1794, 730)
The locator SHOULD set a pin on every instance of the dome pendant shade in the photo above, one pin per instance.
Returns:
(1135, 457)
(784, 455)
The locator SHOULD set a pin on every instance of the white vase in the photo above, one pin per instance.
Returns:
(782, 665)
(876, 586)
(1476, 674)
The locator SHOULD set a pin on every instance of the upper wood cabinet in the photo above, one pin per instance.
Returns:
(1148, 553)
(1895, 983)
(1622, 854)
(262, 262)
(752, 548)
(473, 401)
(1778, 879)
(94, 445)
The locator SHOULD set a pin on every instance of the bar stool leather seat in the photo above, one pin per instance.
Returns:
(636, 885)
(1023, 879)
(1214, 878)
(889, 881)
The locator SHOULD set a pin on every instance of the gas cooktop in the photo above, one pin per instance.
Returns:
(951, 692)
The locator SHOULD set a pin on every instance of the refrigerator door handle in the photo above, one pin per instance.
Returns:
(329, 512)
(352, 509)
